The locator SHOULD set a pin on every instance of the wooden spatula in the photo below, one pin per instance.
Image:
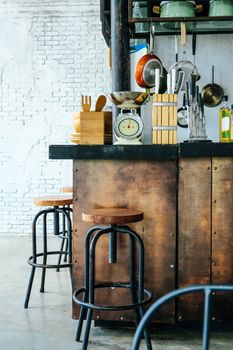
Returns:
(100, 103)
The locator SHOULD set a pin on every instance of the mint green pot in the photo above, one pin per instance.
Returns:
(177, 9)
(221, 8)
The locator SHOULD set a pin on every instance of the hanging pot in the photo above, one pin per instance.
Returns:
(146, 66)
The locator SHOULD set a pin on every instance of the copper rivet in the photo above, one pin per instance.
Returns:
(97, 317)
(122, 317)
(76, 170)
(75, 199)
(180, 317)
(172, 234)
(215, 201)
(213, 318)
(215, 168)
(208, 168)
(75, 230)
(214, 233)
(75, 261)
(181, 168)
(172, 266)
(214, 263)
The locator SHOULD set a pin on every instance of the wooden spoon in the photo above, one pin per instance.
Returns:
(100, 103)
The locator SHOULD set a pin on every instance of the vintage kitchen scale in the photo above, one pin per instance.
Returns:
(128, 125)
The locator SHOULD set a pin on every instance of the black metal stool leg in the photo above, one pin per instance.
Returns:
(132, 278)
(83, 310)
(29, 287)
(87, 329)
(66, 239)
(60, 255)
(66, 249)
(140, 276)
(45, 252)
(62, 241)
(91, 284)
(28, 293)
(69, 241)
(141, 291)
(80, 322)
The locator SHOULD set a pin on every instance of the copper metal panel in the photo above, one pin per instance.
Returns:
(194, 223)
(222, 234)
(149, 186)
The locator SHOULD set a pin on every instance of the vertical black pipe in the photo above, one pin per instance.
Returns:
(56, 221)
(112, 247)
(120, 41)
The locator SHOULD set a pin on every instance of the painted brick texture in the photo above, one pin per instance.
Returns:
(51, 53)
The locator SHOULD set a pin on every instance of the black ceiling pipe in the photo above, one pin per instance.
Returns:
(120, 42)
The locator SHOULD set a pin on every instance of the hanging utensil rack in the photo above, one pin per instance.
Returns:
(201, 24)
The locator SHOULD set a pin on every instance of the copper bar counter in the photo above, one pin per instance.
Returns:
(186, 194)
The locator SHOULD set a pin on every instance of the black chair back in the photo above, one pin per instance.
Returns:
(206, 289)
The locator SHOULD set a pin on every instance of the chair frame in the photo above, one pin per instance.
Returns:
(208, 292)
(140, 296)
(65, 212)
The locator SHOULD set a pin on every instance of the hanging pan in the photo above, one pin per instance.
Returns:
(146, 66)
(212, 93)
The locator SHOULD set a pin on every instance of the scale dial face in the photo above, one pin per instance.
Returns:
(128, 126)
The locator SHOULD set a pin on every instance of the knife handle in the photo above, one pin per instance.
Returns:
(168, 83)
(194, 42)
(187, 92)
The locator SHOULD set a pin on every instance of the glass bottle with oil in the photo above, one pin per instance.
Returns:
(232, 123)
(225, 121)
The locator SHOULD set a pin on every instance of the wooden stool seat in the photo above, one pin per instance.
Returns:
(54, 200)
(112, 216)
(67, 189)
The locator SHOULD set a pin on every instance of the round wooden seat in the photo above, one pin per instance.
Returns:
(67, 189)
(112, 216)
(54, 200)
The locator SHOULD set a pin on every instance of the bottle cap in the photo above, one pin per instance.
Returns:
(225, 98)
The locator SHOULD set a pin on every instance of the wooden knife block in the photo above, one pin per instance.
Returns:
(95, 128)
(164, 119)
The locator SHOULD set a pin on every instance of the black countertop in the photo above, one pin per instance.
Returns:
(142, 152)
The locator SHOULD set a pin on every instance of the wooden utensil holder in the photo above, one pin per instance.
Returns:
(95, 128)
(164, 119)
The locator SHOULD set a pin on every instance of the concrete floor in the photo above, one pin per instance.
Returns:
(47, 323)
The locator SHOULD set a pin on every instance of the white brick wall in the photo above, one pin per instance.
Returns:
(51, 52)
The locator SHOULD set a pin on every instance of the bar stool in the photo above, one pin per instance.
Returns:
(57, 205)
(64, 202)
(111, 221)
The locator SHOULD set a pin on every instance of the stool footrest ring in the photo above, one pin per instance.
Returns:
(114, 285)
(50, 266)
